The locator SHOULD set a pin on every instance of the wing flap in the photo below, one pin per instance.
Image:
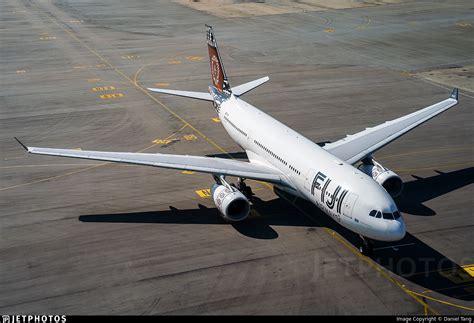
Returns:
(355, 147)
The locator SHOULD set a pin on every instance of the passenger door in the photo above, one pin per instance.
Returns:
(349, 202)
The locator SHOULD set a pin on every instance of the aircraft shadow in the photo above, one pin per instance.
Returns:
(409, 258)
(424, 189)
(412, 259)
(256, 226)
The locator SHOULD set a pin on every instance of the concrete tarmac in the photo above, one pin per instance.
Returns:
(85, 237)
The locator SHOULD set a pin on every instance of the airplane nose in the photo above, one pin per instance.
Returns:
(397, 229)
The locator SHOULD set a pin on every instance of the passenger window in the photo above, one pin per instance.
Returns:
(379, 215)
(388, 216)
(372, 213)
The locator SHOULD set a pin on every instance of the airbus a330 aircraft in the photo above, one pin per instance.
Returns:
(358, 198)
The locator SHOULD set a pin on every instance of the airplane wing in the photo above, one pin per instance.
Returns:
(354, 148)
(217, 166)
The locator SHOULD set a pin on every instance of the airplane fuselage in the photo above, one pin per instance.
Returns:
(337, 188)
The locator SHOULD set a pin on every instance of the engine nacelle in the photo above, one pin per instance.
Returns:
(232, 204)
(389, 180)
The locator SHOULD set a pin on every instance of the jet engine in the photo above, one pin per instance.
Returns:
(389, 180)
(232, 204)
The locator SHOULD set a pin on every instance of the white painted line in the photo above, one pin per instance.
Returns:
(395, 247)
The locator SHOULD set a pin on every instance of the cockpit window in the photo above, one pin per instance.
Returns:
(387, 216)
(379, 215)
(396, 214)
(372, 213)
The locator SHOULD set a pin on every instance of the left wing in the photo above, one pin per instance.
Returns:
(354, 148)
(217, 166)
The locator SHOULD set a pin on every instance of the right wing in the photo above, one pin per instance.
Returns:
(216, 166)
(354, 148)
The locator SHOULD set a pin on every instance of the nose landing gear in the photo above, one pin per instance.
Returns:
(367, 248)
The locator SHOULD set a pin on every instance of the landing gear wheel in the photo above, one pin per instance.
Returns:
(367, 249)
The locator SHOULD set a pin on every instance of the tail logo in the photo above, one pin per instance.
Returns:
(215, 69)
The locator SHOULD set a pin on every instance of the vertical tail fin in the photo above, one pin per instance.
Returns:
(218, 76)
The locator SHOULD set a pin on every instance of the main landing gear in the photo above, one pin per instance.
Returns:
(367, 248)
(244, 188)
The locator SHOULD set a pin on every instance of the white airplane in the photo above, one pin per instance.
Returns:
(358, 198)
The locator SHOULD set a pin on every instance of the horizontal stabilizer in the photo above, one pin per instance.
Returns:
(244, 88)
(188, 94)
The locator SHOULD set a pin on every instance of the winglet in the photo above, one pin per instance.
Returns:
(26, 148)
(455, 94)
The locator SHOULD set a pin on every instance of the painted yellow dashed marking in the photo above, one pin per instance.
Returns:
(130, 56)
(194, 58)
(205, 193)
(469, 269)
(79, 67)
(190, 137)
(93, 80)
(463, 24)
(100, 65)
(76, 21)
(162, 84)
(112, 96)
(329, 30)
(216, 120)
(187, 172)
(406, 73)
(44, 34)
(48, 38)
(103, 88)
(20, 71)
(163, 141)
(174, 62)
(76, 148)
(459, 275)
